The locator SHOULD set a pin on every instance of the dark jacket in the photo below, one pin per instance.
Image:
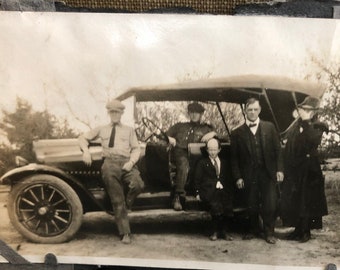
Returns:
(303, 193)
(188, 132)
(241, 160)
(205, 182)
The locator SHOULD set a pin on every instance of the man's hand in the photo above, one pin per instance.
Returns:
(219, 185)
(87, 158)
(279, 176)
(127, 166)
(240, 183)
(208, 136)
(172, 141)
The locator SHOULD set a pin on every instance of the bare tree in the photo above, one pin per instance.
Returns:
(330, 112)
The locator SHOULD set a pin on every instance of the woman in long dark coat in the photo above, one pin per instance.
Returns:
(303, 195)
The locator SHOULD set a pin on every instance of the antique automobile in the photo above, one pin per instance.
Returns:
(49, 198)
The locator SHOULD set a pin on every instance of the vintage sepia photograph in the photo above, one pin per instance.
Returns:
(170, 140)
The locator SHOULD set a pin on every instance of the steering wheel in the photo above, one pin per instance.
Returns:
(155, 130)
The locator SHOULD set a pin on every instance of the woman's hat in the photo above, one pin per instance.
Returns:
(310, 103)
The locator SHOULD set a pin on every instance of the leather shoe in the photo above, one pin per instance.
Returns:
(226, 237)
(177, 203)
(248, 236)
(126, 239)
(305, 237)
(270, 240)
(294, 236)
(213, 237)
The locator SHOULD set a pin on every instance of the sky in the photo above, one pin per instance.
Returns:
(72, 63)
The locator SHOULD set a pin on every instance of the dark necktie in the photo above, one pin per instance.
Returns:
(112, 137)
(252, 125)
(216, 168)
(191, 132)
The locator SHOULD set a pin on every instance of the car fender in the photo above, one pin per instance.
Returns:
(18, 174)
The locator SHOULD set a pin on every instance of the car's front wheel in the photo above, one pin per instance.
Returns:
(45, 209)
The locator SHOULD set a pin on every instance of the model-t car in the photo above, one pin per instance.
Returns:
(48, 199)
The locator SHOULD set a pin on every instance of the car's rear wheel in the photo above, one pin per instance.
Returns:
(45, 209)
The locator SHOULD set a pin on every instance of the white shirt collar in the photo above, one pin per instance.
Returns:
(257, 121)
(217, 160)
(116, 124)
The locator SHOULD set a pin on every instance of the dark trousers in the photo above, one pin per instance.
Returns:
(182, 169)
(118, 183)
(220, 210)
(262, 199)
(219, 223)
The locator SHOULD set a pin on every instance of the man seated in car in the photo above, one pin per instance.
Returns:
(119, 171)
(180, 135)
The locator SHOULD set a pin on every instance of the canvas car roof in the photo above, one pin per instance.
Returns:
(278, 95)
(231, 89)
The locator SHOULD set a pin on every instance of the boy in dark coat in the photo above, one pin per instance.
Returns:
(214, 188)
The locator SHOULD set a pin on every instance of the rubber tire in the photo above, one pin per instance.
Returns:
(65, 189)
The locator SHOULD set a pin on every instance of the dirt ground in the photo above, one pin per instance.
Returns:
(183, 237)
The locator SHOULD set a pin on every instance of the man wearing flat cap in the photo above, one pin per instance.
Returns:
(119, 171)
(303, 195)
(180, 135)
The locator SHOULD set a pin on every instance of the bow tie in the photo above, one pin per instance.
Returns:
(252, 125)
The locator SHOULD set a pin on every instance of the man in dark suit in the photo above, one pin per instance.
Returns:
(257, 166)
(213, 186)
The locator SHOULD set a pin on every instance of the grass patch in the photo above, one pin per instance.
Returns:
(332, 185)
